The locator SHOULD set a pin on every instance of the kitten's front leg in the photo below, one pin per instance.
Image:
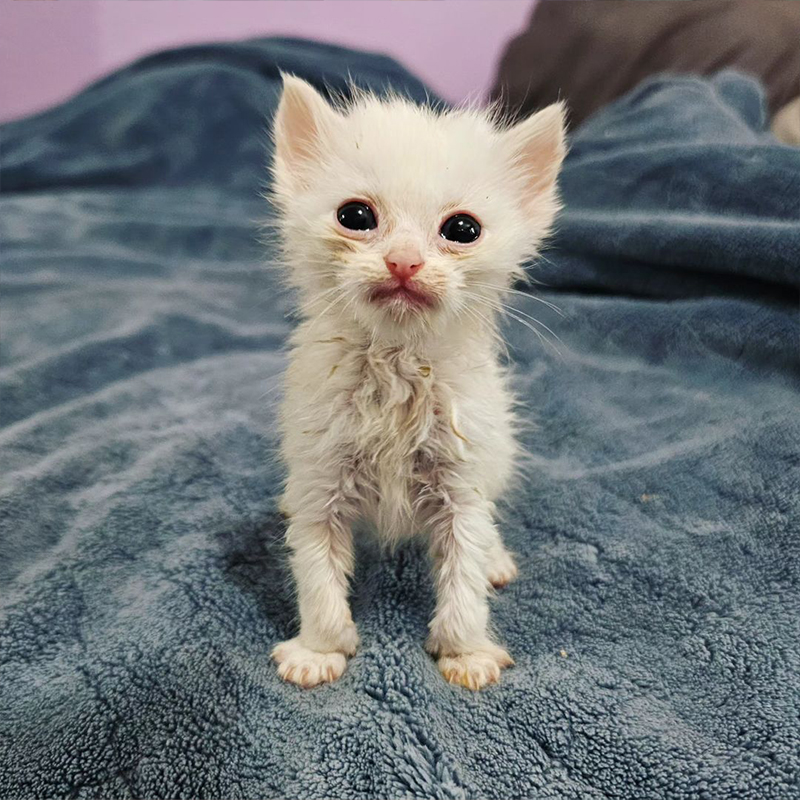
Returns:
(322, 562)
(462, 537)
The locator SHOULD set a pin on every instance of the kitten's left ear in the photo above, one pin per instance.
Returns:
(301, 123)
(538, 144)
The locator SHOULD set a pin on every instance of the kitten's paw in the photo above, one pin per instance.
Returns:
(502, 569)
(307, 668)
(476, 669)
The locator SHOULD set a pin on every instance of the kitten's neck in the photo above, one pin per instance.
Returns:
(455, 338)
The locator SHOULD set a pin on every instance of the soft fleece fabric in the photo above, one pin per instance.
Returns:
(656, 621)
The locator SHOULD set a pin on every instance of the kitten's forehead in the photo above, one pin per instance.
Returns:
(415, 154)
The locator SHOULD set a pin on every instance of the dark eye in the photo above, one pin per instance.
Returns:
(461, 228)
(356, 216)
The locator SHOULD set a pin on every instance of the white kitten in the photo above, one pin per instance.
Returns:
(402, 226)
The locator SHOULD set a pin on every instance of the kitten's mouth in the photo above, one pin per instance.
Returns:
(406, 294)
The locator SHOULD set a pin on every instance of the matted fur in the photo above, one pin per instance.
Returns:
(398, 414)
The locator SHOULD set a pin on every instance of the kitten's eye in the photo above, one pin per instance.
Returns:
(357, 216)
(461, 228)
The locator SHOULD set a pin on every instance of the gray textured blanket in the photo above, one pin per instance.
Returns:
(656, 622)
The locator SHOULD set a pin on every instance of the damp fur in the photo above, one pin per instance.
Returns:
(397, 414)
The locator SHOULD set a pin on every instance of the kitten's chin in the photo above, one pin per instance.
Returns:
(397, 312)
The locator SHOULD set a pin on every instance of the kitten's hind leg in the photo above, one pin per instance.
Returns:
(502, 567)
(322, 562)
(283, 509)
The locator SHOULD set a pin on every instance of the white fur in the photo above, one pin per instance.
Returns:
(398, 415)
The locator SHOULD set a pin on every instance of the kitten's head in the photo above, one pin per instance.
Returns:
(404, 217)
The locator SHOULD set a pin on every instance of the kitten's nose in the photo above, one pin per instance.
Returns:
(404, 262)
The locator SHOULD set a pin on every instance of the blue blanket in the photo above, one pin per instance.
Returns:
(656, 622)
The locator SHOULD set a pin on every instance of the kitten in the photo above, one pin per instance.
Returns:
(402, 226)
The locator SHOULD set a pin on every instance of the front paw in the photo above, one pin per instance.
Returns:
(475, 669)
(307, 668)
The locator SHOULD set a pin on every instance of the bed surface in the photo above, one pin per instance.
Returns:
(656, 622)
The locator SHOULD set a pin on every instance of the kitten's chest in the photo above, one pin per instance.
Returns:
(396, 403)
(387, 409)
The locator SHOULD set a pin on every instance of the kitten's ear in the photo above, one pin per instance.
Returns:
(301, 123)
(538, 144)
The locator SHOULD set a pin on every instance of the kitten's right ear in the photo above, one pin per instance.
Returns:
(538, 144)
(301, 123)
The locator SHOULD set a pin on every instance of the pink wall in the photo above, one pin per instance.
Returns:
(51, 49)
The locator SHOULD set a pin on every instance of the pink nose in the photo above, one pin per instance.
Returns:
(404, 263)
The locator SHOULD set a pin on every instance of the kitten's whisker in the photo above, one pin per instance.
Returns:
(512, 312)
(543, 339)
(547, 303)
(314, 300)
(270, 390)
(511, 309)
(492, 328)
(353, 298)
(327, 308)
(547, 261)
